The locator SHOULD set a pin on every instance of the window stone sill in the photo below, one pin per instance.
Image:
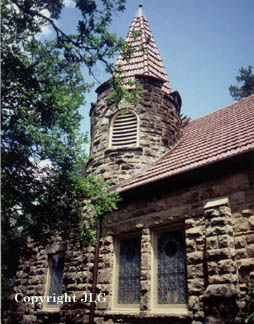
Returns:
(124, 149)
(159, 314)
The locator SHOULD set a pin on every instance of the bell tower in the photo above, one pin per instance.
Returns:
(129, 138)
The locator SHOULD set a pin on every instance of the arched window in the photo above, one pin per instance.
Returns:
(124, 129)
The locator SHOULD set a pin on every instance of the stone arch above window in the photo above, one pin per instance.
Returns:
(124, 129)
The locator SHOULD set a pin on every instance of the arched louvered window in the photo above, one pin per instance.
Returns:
(124, 129)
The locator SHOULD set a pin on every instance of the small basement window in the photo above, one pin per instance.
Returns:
(124, 129)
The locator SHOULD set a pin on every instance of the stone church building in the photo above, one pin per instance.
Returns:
(180, 248)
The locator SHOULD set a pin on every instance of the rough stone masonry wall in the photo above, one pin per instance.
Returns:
(218, 218)
(219, 221)
(220, 267)
(31, 281)
(160, 129)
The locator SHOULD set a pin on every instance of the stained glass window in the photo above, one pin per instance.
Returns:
(129, 272)
(171, 272)
(56, 277)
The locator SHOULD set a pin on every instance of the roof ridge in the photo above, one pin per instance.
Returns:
(216, 111)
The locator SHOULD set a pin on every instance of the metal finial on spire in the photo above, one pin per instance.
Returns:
(140, 12)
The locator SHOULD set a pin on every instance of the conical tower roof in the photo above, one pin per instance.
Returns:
(145, 59)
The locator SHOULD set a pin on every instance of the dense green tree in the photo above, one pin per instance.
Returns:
(246, 314)
(246, 78)
(42, 146)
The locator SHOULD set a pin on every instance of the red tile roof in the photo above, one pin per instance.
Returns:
(145, 59)
(219, 135)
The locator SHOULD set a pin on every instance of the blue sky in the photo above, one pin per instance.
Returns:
(202, 44)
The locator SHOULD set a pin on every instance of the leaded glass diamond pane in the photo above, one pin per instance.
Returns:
(172, 287)
(56, 277)
(129, 272)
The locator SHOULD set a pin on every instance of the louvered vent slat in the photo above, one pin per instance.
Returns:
(121, 132)
(125, 129)
(125, 119)
(128, 122)
(120, 138)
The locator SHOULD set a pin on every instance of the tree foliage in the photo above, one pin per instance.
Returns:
(247, 312)
(246, 78)
(42, 147)
(132, 94)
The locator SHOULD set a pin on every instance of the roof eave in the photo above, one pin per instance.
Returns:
(219, 165)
